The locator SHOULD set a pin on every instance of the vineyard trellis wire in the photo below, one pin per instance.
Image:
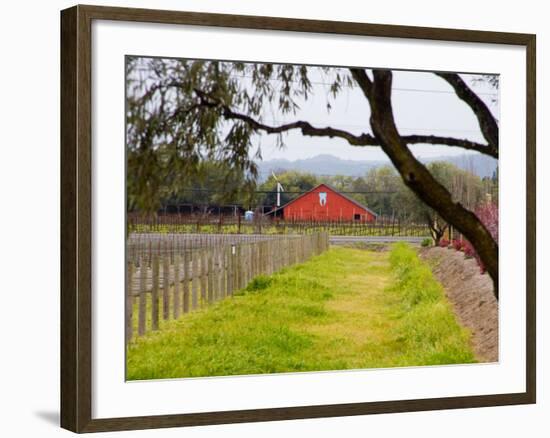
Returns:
(234, 224)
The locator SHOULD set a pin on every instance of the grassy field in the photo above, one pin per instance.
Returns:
(345, 309)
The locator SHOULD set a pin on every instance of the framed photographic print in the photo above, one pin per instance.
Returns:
(268, 218)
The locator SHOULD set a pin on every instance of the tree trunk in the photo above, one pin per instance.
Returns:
(418, 178)
(436, 235)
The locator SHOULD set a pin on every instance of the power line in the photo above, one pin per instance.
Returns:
(327, 84)
(406, 89)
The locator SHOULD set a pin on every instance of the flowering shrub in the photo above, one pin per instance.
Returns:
(458, 244)
(469, 250)
(488, 214)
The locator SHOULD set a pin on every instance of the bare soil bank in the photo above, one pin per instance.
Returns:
(471, 294)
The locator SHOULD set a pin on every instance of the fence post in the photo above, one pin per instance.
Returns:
(236, 262)
(195, 276)
(254, 261)
(270, 253)
(210, 264)
(142, 296)
(185, 282)
(165, 286)
(218, 277)
(239, 266)
(155, 292)
(129, 301)
(230, 269)
(259, 258)
(286, 251)
(177, 304)
(248, 263)
(242, 264)
(223, 272)
(204, 274)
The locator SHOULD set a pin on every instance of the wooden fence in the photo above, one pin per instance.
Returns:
(171, 243)
(169, 281)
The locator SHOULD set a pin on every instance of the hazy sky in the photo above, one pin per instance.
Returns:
(423, 104)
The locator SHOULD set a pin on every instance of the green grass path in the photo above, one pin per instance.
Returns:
(345, 309)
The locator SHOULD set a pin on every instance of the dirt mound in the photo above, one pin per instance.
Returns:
(471, 294)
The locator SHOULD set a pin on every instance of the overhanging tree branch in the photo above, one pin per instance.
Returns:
(487, 123)
(305, 127)
(360, 76)
(355, 140)
(450, 141)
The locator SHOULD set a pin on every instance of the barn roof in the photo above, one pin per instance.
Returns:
(330, 188)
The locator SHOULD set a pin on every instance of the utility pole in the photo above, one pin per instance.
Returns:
(279, 190)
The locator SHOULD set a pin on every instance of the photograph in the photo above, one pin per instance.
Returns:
(289, 218)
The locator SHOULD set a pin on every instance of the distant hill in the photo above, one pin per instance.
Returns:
(478, 164)
(319, 165)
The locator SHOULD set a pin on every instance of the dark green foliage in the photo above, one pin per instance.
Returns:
(259, 283)
(175, 117)
(427, 242)
(214, 183)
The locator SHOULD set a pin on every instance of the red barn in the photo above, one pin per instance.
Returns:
(324, 203)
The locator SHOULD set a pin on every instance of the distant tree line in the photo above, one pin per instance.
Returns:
(381, 189)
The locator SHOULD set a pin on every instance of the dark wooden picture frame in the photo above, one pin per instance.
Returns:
(76, 218)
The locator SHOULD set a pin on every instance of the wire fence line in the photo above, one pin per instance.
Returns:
(178, 277)
(231, 224)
